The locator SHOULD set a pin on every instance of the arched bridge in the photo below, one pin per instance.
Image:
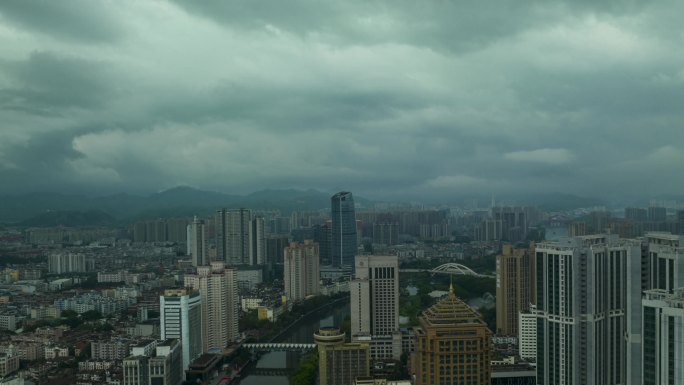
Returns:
(447, 268)
(282, 347)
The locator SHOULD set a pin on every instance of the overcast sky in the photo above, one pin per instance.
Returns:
(387, 99)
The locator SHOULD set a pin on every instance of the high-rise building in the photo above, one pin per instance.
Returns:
(240, 239)
(386, 233)
(375, 304)
(665, 264)
(181, 318)
(514, 222)
(343, 245)
(588, 310)
(452, 345)
(663, 333)
(61, 263)
(257, 242)
(488, 230)
(340, 363)
(636, 214)
(657, 214)
(198, 243)
(515, 286)
(577, 229)
(301, 270)
(322, 234)
(275, 247)
(218, 287)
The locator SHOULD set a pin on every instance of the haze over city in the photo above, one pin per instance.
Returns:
(392, 100)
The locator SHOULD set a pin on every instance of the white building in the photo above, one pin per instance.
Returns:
(375, 304)
(301, 270)
(663, 331)
(66, 263)
(8, 322)
(527, 336)
(588, 306)
(181, 318)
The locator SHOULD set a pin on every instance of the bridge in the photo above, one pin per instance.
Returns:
(447, 268)
(279, 347)
(271, 371)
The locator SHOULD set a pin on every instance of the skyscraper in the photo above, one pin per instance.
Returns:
(663, 334)
(181, 318)
(218, 287)
(514, 287)
(452, 345)
(240, 238)
(343, 235)
(588, 308)
(301, 270)
(198, 243)
(375, 304)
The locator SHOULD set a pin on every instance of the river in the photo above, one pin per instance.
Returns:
(302, 333)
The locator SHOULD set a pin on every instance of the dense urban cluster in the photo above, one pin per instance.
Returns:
(437, 295)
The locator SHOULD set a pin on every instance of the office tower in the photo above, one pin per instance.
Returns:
(515, 287)
(452, 345)
(657, 214)
(301, 270)
(577, 229)
(340, 363)
(66, 263)
(181, 317)
(588, 309)
(176, 230)
(257, 242)
(386, 233)
(514, 222)
(218, 287)
(239, 237)
(343, 245)
(663, 333)
(375, 304)
(636, 214)
(527, 335)
(198, 242)
(165, 368)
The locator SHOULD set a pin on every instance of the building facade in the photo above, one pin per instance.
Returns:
(343, 239)
(588, 311)
(218, 287)
(198, 242)
(515, 287)
(181, 318)
(301, 270)
(375, 304)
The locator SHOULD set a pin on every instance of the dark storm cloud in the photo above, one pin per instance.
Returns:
(389, 99)
(79, 20)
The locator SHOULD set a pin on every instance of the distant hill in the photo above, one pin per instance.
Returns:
(178, 201)
(70, 218)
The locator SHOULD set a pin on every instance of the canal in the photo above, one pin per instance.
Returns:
(272, 363)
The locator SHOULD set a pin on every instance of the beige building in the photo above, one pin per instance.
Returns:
(218, 288)
(452, 345)
(340, 363)
(8, 364)
(301, 270)
(515, 287)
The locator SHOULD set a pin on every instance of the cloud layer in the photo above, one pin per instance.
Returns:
(388, 99)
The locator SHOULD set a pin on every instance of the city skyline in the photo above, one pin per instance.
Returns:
(571, 97)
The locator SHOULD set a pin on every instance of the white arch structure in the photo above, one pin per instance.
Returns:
(454, 269)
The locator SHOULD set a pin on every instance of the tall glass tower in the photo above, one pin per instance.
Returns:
(343, 235)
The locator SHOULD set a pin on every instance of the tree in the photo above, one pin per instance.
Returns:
(91, 315)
